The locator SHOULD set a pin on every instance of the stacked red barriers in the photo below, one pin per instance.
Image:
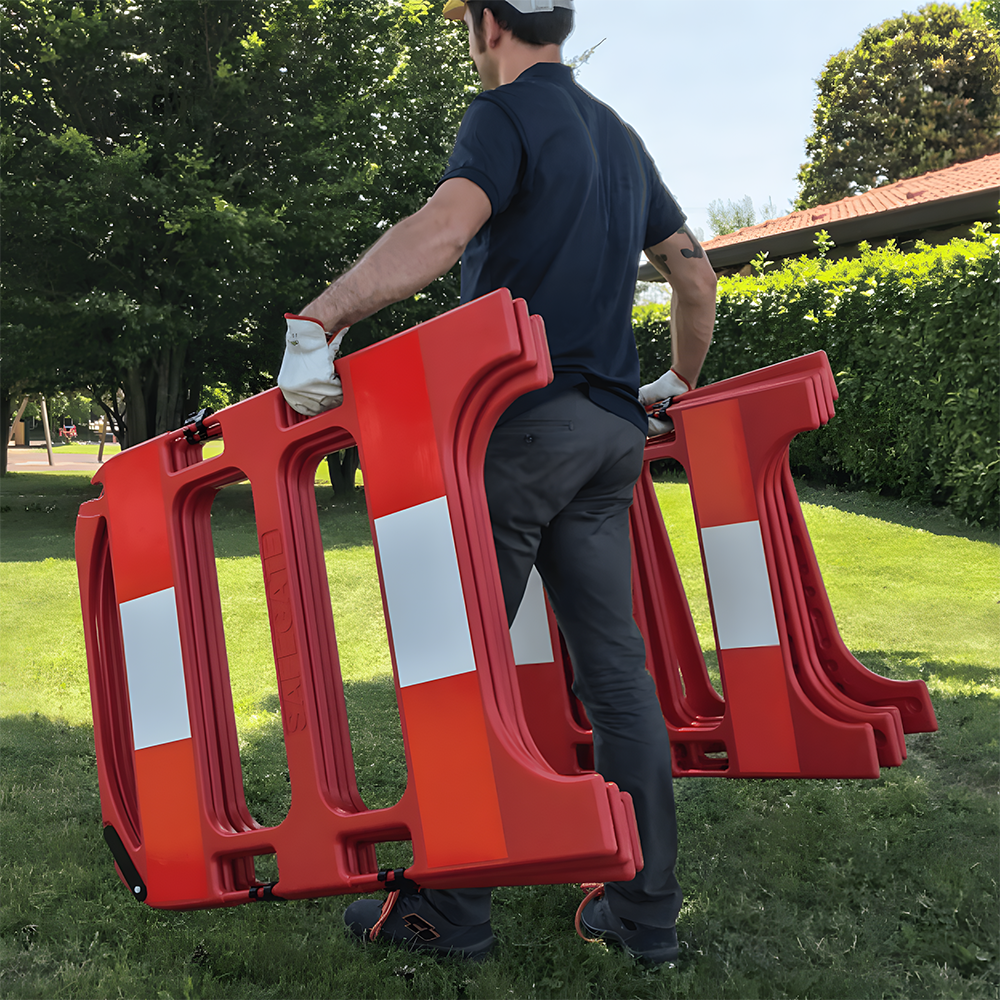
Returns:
(797, 703)
(481, 806)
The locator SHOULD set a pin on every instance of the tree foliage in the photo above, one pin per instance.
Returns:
(917, 93)
(179, 173)
(728, 216)
(989, 10)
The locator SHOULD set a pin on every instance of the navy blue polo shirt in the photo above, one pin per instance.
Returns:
(575, 199)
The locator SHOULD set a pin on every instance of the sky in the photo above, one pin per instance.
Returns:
(721, 91)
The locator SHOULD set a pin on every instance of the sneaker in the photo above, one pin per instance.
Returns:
(652, 945)
(410, 919)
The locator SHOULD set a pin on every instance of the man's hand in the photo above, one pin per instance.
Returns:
(308, 380)
(657, 396)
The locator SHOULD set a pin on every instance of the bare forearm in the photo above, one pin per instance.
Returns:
(409, 256)
(691, 325)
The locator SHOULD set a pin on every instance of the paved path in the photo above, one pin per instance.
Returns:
(35, 459)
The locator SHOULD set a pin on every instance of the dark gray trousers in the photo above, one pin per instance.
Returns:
(559, 482)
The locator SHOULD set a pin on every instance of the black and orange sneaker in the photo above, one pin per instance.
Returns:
(408, 918)
(651, 945)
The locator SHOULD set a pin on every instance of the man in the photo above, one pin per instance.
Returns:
(548, 193)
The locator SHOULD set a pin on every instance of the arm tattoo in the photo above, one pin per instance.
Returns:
(661, 259)
(696, 250)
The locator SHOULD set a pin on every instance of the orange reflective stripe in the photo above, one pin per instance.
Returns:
(398, 442)
(757, 696)
(453, 771)
(137, 524)
(171, 829)
(719, 467)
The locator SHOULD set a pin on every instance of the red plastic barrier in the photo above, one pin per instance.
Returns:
(797, 703)
(481, 805)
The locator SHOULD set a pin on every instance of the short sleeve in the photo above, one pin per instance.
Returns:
(489, 152)
(665, 216)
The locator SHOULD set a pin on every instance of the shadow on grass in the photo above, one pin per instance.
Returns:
(38, 513)
(903, 664)
(909, 514)
(826, 889)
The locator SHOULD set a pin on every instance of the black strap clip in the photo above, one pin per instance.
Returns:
(659, 410)
(265, 893)
(195, 429)
(395, 879)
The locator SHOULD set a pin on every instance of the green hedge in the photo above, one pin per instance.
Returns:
(914, 342)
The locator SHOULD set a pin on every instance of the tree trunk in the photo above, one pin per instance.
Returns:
(168, 372)
(115, 416)
(162, 368)
(176, 394)
(135, 410)
(154, 397)
(343, 466)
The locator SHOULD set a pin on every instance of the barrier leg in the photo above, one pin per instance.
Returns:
(849, 675)
(885, 723)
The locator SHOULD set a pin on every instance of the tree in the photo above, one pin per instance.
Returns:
(727, 217)
(179, 174)
(917, 93)
(989, 10)
(343, 467)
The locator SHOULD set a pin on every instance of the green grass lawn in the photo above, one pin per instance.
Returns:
(820, 889)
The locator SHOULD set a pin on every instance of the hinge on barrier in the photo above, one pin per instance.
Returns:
(395, 879)
(129, 872)
(265, 893)
(195, 429)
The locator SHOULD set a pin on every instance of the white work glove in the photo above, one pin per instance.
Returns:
(657, 396)
(307, 379)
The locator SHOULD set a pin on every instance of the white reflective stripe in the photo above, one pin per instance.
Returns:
(741, 589)
(156, 691)
(529, 635)
(423, 592)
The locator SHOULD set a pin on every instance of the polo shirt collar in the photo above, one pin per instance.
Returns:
(553, 72)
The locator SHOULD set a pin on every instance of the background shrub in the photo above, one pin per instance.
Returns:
(914, 342)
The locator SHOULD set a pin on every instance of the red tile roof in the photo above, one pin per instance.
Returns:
(960, 179)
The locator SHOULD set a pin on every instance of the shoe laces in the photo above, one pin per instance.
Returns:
(594, 890)
(394, 876)
(390, 902)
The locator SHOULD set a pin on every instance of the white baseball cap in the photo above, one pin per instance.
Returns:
(455, 9)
